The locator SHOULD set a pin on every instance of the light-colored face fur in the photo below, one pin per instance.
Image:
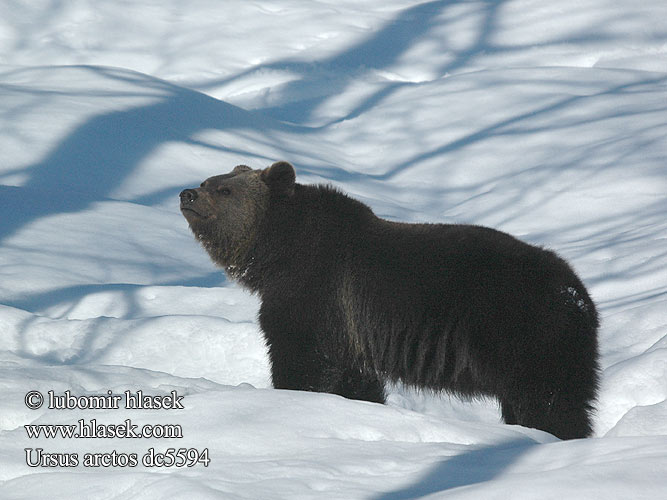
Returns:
(224, 212)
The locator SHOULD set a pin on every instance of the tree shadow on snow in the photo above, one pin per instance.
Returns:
(318, 81)
(94, 160)
(473, 466)
(73, 294)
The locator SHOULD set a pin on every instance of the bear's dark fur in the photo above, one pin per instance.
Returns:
(350, 300)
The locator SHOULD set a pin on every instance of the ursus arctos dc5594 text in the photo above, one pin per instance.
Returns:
(349, 300)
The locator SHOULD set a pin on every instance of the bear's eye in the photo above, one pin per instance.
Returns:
(224, 190)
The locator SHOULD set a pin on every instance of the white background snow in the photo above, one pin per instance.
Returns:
(544, 119)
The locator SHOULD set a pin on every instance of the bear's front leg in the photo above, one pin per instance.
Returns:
(353, 383)
(305, 354)
(298, 364)
(295, 362)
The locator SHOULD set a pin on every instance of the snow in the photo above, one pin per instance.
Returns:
(546, 120)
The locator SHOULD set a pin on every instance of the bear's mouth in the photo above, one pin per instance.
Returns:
(190, 211)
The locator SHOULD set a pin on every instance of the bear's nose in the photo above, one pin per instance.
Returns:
(188, 195)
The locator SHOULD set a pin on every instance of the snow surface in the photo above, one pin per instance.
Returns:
(544, 119)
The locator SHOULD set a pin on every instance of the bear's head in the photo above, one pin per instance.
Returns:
(225, 211)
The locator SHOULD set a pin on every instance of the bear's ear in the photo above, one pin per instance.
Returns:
(241, 168)
(280, 177)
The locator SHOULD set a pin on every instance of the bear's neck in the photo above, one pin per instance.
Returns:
(300, 236)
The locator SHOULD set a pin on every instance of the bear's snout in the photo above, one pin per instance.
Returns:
(188, 206)
(188, 196)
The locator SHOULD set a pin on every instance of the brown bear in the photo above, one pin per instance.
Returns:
(350, 300)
